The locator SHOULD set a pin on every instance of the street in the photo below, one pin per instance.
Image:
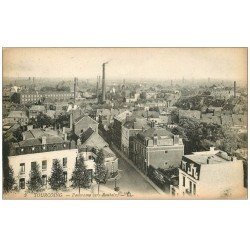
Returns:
(131, 181)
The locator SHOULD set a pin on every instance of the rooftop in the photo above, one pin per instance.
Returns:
(86, 119)
(209, 157)
(159, 132)
(37, 108)
(17, 114)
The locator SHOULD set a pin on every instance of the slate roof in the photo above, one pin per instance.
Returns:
(38, 108)
(17, 114)
(86, 119)
(159, 132)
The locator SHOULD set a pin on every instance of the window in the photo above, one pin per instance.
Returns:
(65, 162)
(44, 178)
(22, 183)
(33, 165)
(166, 152)
(192, 172)
(22, 166)
(44, 165)
(90, 157)
(65, 176)
(190, 186)
(194, 188)
(183, 181)
(166, 163)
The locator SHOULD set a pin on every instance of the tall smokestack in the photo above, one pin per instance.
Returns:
(103, 83)
(75, 85)
(234, 89)
(97, 85)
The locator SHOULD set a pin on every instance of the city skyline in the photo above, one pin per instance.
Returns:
(130, 63)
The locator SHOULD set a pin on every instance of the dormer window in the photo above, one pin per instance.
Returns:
(184, 165)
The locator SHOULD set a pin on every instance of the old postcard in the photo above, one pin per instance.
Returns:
(124, 123)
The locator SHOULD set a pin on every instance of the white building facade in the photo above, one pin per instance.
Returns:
(210, 175)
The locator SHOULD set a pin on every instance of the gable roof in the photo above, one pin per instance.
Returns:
(17, 114)
(86, 119)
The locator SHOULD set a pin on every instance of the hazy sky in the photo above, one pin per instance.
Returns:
(139, 63)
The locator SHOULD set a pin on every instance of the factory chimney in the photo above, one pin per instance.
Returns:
(97, 86)
(234, 89)
(75, 86)
(103, 83)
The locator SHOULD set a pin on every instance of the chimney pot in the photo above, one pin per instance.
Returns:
(43, 140)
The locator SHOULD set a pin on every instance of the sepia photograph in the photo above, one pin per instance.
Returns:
(124, 123)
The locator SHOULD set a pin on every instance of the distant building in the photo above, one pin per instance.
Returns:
(158, 148)
(17, 117)
(35, 110)
(193, 114)
(210, 118)
(35, 96)
(210, 174)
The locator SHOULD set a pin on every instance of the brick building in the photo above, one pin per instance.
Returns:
(158, 148)
(119, 120)
(35, 96)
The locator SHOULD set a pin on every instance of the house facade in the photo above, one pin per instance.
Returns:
(158, 148)
(210, 174)
(42, 150)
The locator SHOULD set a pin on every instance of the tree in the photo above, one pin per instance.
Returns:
(8, 179)
(8, 175)
(80, 176)
(35, 182)
(43, 119)
(57, 179)
(100, 157)
(100, 171)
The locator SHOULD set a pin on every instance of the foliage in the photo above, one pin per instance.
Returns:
(101, 172)
(18, 134)
(57, 181)
(43, 119)
(63, 121)
(80, 176)
(8, 179)
(35, 182)
(15, 98)
(100, 157)
(8, 175)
